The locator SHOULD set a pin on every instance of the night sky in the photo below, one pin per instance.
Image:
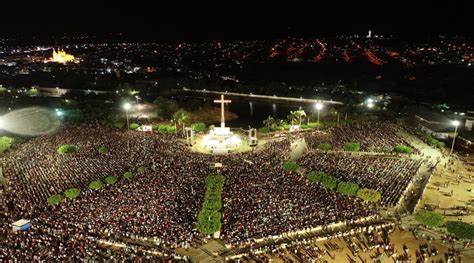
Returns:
(236, 19)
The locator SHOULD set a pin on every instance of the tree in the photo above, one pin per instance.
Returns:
(402, 149)
(269, 123)
(55, 199)
(198, 126)
(141, 169)
(66, 148)
(5, 143)
(460, 229)
(134, 126)
(209, 219)
(110, 180)
(290, 166)
(95, 185)
(324, 147)
(369, 195)
(347, 188)
(127, 175)
(429, 218)
(102, 150)
(315, 176)
(208, 222)
(329, 182)
(352, 147)
(297, 115)
(182, 117)
(72, 193)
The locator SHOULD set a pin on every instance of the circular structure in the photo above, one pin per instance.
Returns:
(221, 140)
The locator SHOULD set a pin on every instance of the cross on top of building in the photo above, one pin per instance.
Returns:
(222, 101)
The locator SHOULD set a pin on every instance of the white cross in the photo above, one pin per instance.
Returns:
(222, 101)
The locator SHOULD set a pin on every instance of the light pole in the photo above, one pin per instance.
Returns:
(319, 106)
(456, 124)
(138, 105)
(127, 107)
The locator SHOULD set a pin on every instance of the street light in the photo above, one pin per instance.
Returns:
(318, 106)
(456, 124)
(127, 107)
(138, 105)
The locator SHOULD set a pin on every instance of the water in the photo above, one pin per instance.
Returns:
(253, 113)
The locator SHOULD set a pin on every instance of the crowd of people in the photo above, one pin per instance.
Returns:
(390, 176)
(160, 204)
(372, 136)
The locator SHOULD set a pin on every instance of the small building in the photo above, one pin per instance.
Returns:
(21, 225)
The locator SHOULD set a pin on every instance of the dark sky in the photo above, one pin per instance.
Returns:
(235, 19)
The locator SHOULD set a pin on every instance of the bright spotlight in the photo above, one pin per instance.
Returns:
(370, 100)
(370, 105)
(455, 123)
(318, 106)
(59, 113)
(127, 106)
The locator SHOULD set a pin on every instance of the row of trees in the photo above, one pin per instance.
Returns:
(346, 188)
(209, 219)
(460, 229)
(271, 124)
(73, 193)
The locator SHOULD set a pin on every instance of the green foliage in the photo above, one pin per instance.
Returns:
(33, 92)
(324, 147)
(329, 182)
(209, 219)
(164, 128)
(119, 124)
(72, 193)
(314, 125)
(66, 148)
(460, 229)
(198, 126)
(55, 199)
(141, 169)
(103, 150)
(290, 166)
(110, 180)
(352, 146)
(402, 149)
(181, 116)
(429, 218)
(315, 176)
(431, 140)
(440, 145)
(134, 126)
(95, 185)
(348, 188)
(127, 175)
(263, 130)
(208, 222)
(369, 195)
(5, 143)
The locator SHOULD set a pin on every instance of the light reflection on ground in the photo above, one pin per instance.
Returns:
(30, 121)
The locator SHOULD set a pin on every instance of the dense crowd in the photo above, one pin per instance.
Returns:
(372, 137)
(390, 176)
(160, 205)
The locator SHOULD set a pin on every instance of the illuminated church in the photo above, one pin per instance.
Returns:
(61, 56)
